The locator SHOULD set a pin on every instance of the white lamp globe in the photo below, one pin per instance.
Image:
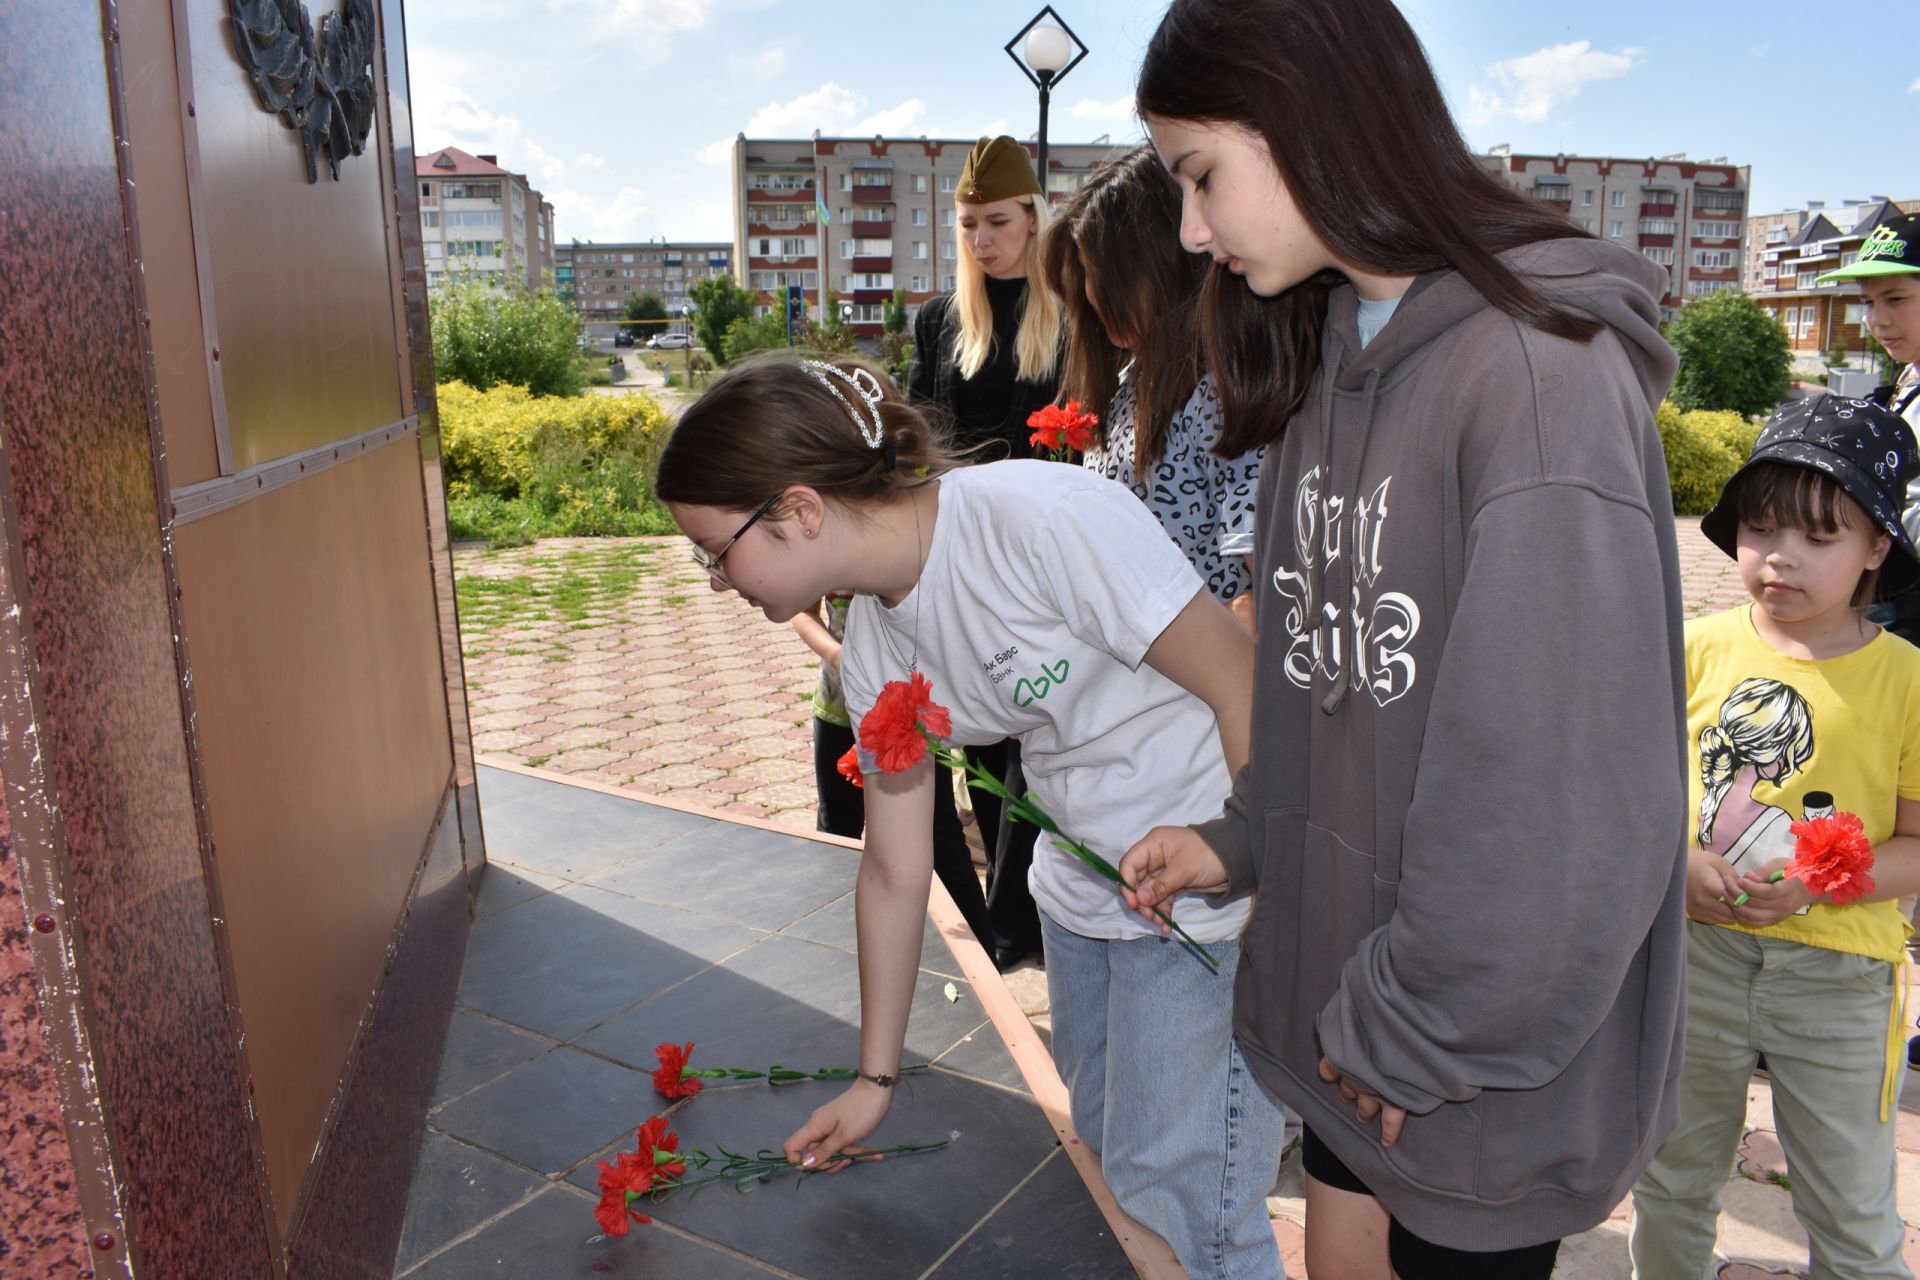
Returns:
(1049, 49)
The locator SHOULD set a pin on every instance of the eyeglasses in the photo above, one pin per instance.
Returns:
(711, 564)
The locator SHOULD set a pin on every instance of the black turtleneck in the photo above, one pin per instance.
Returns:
(993, 404)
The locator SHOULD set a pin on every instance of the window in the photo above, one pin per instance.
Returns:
(1849, 258)
(1662, 256)
(1586, 195)
(873, 178)
(919, 218)
(1808, 321)
(1716, 230)
(489, 218)
(846, 182)
(1702, 288)
(920, 250)
(948, 183)
(1619, 200)
(946, 216)
(431, 218)
(436, 250)
(426, 188)
(627, 257)
(1806, 279)
(1659, 227)
(947, 283)
(1713, 259)
(1586, 224)
(1616, 228)
(919, 184)
(920, 284)
(1856, 313)
(627, 272)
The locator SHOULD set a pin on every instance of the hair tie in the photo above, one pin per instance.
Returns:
(865, 386)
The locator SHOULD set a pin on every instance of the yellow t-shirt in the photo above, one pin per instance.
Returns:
(1772, 739)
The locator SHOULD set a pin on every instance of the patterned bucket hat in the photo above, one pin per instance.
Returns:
(1868, 450)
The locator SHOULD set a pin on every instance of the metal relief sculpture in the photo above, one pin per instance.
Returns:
(322, 88)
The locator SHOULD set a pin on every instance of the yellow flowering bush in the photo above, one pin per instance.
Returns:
(521, 466)
(1704, 448)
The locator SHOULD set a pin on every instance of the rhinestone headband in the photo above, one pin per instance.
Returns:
(864, 385)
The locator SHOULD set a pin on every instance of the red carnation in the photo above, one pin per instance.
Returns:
(1832, 856)
(671, 1079)
(849, 767)
(895, 731)
(1062, 429)
(632, 1171)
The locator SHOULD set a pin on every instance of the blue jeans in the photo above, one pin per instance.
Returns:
(1188, 1140)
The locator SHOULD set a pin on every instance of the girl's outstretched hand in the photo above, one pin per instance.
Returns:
(1169, 861)
(834, 1129)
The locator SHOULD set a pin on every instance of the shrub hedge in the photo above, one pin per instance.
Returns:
(521, 467)
(1704, 448)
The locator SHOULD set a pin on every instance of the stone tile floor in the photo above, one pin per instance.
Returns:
(608, 925)
(611, 660)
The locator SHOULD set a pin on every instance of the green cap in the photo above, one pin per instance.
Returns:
(996, 169)
(1892, 250)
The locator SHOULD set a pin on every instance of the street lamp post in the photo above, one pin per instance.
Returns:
(1050, 51)
(686, 314)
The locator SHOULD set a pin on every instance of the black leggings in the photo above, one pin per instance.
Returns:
(1011, 914)
(1416, 1258)
(843, 812)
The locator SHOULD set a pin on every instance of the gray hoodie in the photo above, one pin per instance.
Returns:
(1465, 807)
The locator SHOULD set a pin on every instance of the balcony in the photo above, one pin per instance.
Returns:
(1556, 204)
(764, 195)
(1658, 210)
(1649, 241)
(776, 230)
(873, 195)
(873, 262)
(871, 297)
(872, 228)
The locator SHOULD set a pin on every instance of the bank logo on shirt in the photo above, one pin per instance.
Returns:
(1027, 692)
(1366, 642)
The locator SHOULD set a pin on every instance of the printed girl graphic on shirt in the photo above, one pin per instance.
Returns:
(1764, 734)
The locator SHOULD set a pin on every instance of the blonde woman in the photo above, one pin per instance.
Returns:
(984, 358)
(988, 353)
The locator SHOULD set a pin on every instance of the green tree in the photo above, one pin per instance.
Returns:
(748, 334)
(719, 301)
(486, 334)
(1733, 355)
(645, 306)
(828, 335)
(896, 347)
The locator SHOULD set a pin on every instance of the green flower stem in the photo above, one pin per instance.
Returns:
(1025, 809)
(1775, 878)
(777, 1075)
(745, 1171)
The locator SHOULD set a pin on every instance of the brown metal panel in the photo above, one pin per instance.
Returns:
(177, 330)
(323, 729)
(101, 698)
(299, 270)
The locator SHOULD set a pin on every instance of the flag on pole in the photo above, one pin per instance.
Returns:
(820, 203)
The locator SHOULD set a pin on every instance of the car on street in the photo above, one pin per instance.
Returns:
(623, 339)
(669, 342)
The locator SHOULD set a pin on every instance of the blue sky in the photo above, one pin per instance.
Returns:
(621, 110)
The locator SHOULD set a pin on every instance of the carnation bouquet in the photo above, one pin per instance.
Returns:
(906, 724)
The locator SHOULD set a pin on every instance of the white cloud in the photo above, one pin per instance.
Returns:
(625, 215)
(588, 160)
(764, 65)
(1529, 88)
(1089, 109)
(832, 109)
(444, 117)
(1914, 87)
(646, 22)
(896, 121)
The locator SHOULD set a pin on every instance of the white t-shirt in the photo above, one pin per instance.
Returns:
(1043, 589)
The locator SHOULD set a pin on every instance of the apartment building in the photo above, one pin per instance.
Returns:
(605, 276)
(1819, 317)
(1769, 231)
(476, 216)
(889, 210)
(1688, 216)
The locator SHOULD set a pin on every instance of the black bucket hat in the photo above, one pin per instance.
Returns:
(1866, 449)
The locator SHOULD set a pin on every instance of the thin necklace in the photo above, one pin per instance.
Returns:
(920, 599)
